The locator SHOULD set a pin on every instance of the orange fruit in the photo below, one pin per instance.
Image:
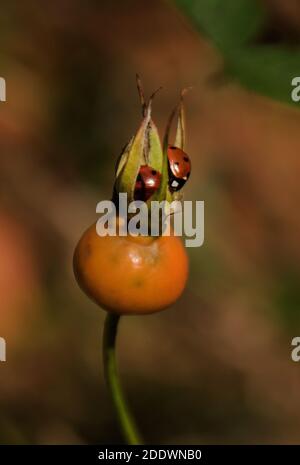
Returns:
(131, 274)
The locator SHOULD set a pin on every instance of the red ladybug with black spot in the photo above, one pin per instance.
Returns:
(147, 182)
(179, 168)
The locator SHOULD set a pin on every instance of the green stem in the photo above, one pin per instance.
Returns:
(111, 376)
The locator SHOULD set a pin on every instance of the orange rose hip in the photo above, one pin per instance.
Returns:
(131, 275)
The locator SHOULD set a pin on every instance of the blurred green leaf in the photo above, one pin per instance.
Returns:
(267, 70)
(228, 24)
(233, 27)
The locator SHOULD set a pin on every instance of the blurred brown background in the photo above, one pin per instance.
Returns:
(217, 366)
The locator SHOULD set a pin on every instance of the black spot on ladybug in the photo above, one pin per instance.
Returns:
(153, 172)
(172, 147)
(185, 158)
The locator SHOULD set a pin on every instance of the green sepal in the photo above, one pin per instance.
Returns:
(163, 192)
(123, 157)
(133, 159)
(180, 131)
(155, 154)
(180, 137)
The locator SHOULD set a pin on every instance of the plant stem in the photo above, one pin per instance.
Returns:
(126, 421)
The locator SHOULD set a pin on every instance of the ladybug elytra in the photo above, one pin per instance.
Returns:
(179, 168)
(147, 182)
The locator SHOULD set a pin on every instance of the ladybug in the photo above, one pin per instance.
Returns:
(179, 168)
(147, 182)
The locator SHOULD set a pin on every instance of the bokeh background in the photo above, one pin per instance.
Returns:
(216, 368)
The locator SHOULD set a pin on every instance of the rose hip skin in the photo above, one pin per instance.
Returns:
(131, 275)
